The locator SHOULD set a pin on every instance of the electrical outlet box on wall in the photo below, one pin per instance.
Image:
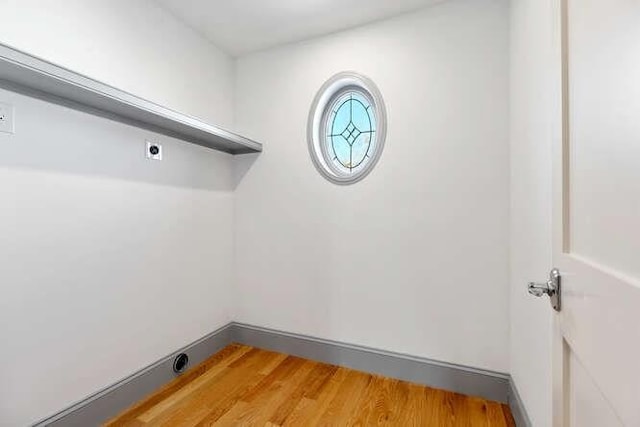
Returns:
(154, 151)
(7, 118)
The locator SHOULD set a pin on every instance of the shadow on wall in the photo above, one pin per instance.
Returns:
(242, 165)
(56, 138)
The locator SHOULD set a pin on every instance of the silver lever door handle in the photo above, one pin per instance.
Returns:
(551, 288)
(539, 289)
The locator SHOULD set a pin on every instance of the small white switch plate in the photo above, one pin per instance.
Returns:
(154, 151)
(6, 118)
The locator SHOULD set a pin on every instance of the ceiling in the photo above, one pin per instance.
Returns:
(242, 26)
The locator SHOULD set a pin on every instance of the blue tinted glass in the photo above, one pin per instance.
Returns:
(360, 149)
(341, 150)
(352, 125)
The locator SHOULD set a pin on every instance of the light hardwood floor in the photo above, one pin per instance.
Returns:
(243, 385)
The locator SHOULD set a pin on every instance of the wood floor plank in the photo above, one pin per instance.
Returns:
(243, 413)
(190, 411)
(301, 412)
(508, 416)
(374, 406)
(345, 401)
(471, 411)
(285, 393)
(495, 415)
(440, 406)
(309, 388)
(399, 399)
(251, 387)
(309, 411)
(148, 412)
(184, 384)
(281, 373)
(415, 407)
(272, 394)
(270, 367)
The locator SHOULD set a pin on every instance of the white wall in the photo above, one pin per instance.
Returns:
(108, 261)
(413, 259)
(131, 44)
(531, 203)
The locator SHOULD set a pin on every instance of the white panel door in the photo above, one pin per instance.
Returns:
(597, 213)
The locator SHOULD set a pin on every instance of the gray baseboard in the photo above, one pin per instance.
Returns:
(517, 407)
(460, 379)
(112, 400)
(107, 403)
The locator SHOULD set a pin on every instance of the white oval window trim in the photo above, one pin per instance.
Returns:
(329, 143)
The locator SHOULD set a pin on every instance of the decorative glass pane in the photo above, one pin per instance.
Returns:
(347, 128)
(350, 128)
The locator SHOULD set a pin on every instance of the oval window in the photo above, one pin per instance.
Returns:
(347, 128)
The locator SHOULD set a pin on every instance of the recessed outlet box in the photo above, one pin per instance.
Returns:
(154, 151)
(7, 118)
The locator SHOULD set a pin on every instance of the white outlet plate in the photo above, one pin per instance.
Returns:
(7, 124)
(150, 154)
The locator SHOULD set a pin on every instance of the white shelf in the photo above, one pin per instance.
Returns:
(33, 76)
